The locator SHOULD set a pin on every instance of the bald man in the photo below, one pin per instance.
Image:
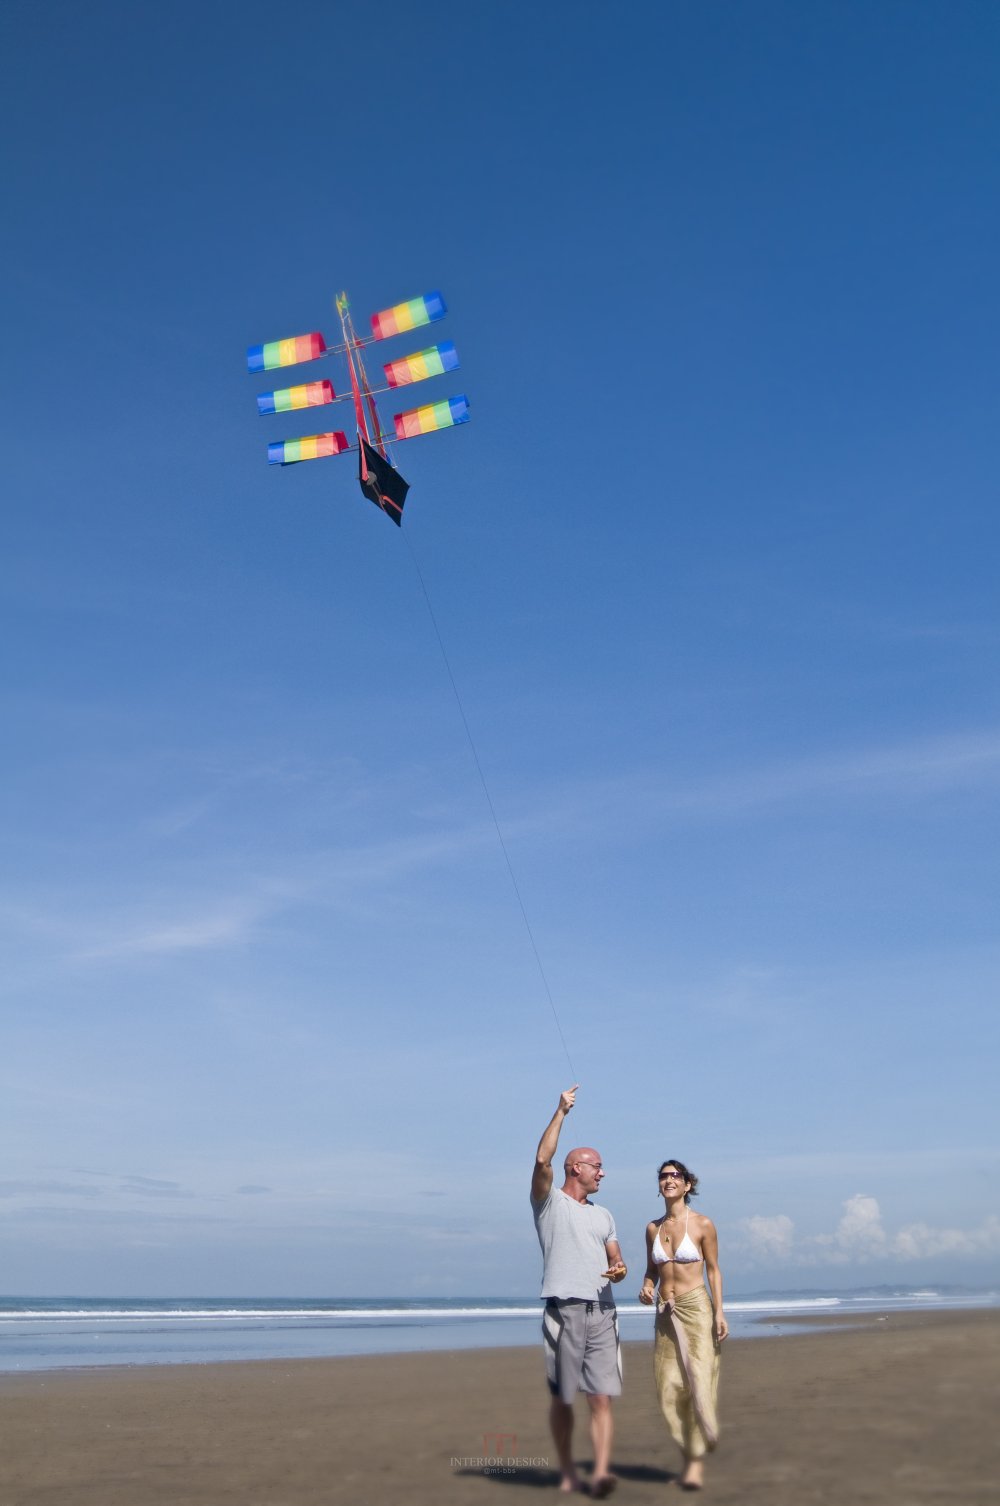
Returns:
(581, 1258)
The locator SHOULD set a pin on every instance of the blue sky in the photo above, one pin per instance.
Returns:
(715, 565)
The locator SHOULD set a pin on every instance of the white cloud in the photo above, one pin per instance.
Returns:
(903, 769)
(228, 927)
(860, 1236)
(237, 909)
(898, 771)
(918, 1241)
(769, 1238)
(34, 1188)
(860, 1230)
(333, 878)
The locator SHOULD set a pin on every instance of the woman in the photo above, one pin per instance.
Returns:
(682, 1248)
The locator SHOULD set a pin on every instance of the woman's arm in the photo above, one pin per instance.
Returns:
(710, 1254)
(648, 1288)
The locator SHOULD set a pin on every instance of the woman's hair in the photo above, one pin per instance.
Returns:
(688, 1176)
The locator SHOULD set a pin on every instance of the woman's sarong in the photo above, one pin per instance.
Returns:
(686, 1369)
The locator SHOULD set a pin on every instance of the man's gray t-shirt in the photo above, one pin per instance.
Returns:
(573, 1237)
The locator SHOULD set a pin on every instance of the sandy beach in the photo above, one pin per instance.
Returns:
(898, 1410)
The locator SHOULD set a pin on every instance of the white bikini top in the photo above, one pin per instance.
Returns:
(686, 1253)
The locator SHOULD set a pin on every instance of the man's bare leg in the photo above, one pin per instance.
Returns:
(561, 1423)
(602, 1429)
(693, 1477)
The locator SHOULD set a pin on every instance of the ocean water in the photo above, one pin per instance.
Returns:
(56, 1333)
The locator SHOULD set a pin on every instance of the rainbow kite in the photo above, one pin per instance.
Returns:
(285, 352)
(406, 316)
(379, 479)
(309, 447)
(288, 399)
(443, 415)
(426, 363)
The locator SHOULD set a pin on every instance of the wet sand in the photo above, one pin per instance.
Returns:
(898, 1410)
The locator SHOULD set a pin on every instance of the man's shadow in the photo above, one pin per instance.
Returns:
(546, 1479)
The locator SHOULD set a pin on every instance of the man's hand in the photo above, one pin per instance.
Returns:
(616, 1272)
(541, 1177)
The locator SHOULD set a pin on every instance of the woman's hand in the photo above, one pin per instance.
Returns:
(646, 1293)
(721, 1327)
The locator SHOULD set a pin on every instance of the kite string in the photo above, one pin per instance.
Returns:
(489, 802)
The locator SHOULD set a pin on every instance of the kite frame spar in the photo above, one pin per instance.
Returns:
(380, 482)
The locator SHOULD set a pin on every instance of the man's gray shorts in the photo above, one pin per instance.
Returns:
(582, 1352)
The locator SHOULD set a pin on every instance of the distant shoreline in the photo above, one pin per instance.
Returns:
(57, 1334)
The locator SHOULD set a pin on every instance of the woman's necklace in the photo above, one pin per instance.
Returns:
(671, 1219)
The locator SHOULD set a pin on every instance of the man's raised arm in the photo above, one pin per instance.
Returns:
(541, 1178)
